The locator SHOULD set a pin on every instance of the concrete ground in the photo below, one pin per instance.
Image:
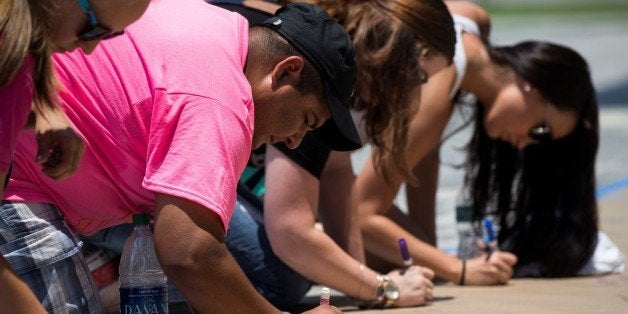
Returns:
(599, 294)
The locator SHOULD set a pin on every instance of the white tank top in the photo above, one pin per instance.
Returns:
(461, 24)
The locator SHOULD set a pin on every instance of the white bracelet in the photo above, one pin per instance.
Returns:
(361, 279)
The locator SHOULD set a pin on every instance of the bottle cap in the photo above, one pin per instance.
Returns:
(325, 295)
(141, 219)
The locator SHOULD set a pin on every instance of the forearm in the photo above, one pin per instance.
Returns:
(372, 194)
(213, 283)
(191, 250)
(349, 239)
(356, 245)
(340, 218)
(15, 296)
(381, 235)
(317, 257)
(422, 198)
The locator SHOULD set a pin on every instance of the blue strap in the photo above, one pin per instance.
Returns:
(88, 11)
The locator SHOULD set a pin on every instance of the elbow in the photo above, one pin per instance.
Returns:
(371, 225)
(285, 242)
(182, 261)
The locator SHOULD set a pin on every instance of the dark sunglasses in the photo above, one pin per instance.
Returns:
(94, 31)
(542, 133)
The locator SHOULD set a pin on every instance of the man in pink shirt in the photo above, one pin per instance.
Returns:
(169, 113)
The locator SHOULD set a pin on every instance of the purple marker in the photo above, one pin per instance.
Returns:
(407, 260)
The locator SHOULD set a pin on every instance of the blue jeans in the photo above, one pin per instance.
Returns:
(248, 243)
(113, 239)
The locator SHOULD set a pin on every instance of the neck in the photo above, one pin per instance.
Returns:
(484, 78)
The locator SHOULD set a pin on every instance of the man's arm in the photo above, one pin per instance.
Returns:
(189, 242)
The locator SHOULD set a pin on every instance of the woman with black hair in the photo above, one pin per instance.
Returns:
(530, 161)
(543, 194)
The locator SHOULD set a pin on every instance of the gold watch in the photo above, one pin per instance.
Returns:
(387, 291)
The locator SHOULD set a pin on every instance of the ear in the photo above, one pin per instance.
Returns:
(287, 72)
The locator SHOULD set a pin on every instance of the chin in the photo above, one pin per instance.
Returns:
(492, 133)
(257, 142)
(256, 145)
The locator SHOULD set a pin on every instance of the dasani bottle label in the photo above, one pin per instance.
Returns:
(144, 300)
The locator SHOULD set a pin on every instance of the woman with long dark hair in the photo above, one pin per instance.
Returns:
(543, 193)
(535, 106)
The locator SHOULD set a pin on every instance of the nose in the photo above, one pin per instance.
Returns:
(88, 46)
(293, 141)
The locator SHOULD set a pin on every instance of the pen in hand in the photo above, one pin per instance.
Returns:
(489, 237)
(407, 259)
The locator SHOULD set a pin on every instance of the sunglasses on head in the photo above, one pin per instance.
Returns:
(95, 31)
(542, 133)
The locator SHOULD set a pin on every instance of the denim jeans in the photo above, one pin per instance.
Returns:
(248, 243)
(113, 239)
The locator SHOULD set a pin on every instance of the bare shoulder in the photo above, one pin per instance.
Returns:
(473, 12)
(470, 10)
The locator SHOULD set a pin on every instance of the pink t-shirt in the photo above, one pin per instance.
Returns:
(15, 105)
(165, 108)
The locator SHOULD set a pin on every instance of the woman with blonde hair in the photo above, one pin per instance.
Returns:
(30, 31)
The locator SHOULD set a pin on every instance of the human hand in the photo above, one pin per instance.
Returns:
(324, 308)
(497, 270)
(59, 147)
(415, 285)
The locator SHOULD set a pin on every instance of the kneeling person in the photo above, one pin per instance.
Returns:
(170, 112)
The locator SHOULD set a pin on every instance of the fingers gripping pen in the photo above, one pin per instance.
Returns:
(489, 237)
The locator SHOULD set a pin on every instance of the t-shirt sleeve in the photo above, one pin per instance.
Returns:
(15, 105)
(311, 155)
(197, 149)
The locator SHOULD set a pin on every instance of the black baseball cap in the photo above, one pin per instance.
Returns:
(326, 45)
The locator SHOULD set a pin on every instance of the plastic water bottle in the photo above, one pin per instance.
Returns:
(143, 287)
(467, 236)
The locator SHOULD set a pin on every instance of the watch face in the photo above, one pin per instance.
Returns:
(392, 291)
